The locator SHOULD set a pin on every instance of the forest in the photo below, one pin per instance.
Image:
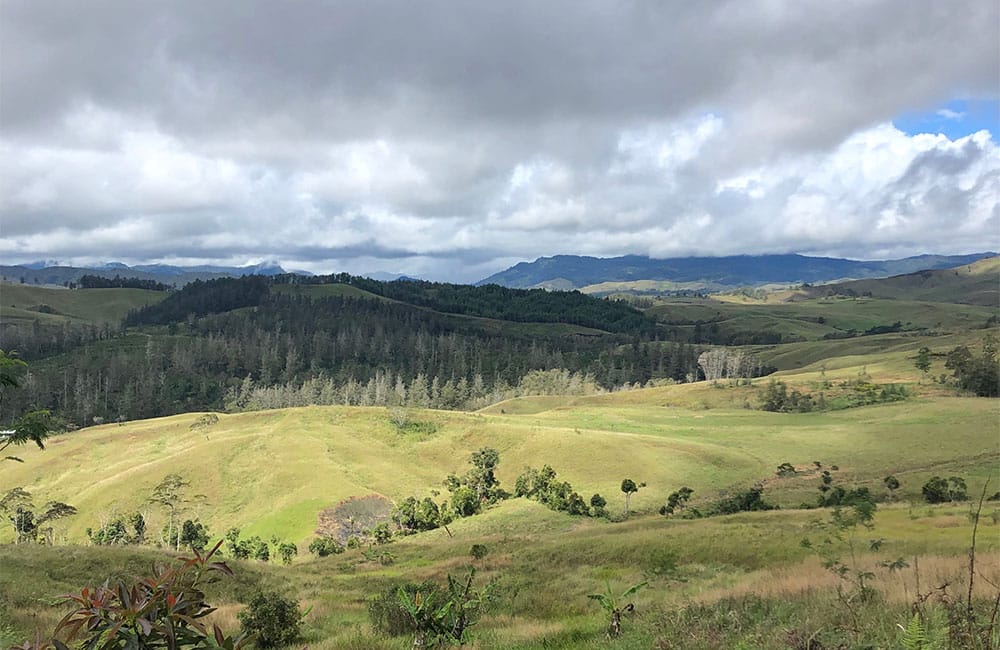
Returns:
(205, 347)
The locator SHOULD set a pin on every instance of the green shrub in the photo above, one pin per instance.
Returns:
(939, 490)
(287, 551)
(160, 610)
(386, 613)
(323, 546)
(748, 500)
(271, 619)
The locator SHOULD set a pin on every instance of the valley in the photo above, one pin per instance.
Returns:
(601, 393)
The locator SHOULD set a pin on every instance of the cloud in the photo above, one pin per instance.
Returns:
(949, 114)
(450, 140)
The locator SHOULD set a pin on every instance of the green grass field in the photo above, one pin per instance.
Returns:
(271, 472)
(974, 284)
(813, 319)
(21, 302)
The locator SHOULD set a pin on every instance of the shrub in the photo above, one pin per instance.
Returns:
(838, 496)
(323, 546)
(272, 619)
(748, 500)
(786, 469)
(382, 534)
(386, 613)
(939, 490)
(260, 550)
(479, 551)
(162, 610)
(287, 551)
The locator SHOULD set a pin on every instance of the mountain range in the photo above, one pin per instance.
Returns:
(53, 274)
(630, 273)
(710, 273)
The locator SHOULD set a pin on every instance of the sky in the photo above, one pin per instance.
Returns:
(450, 140)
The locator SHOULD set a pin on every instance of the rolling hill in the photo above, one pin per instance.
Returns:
(272, 472)
(87, 306)
(977, 283)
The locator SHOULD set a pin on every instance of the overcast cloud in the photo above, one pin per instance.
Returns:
(450, 140)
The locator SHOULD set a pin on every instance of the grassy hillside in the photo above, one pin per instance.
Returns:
(271, 472)
(815, 319)
(720, 582)
(22, 302)
(976, 284)
(746, 577)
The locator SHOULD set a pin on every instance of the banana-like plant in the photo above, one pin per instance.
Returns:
(615, 606)
(445, 614)
(428, 614)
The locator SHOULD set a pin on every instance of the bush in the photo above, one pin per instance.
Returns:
(748, 500)
(287, 551)
(979, 375)
(388, 616)
(786, 469)
(838, 496)
(271, 619)
(134, 613)
(323, 546)
(939, 490)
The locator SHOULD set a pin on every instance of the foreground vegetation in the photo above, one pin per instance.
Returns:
(742, 579)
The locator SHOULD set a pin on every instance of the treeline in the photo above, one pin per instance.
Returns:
(38, 339)
(386, 389)
(117, 282)
(288, 344)
(199, 298)
(491, 301)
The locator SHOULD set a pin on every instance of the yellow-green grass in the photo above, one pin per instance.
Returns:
(838, 315)
(648, 286)
(868, 350)
(977, 283)
(271, 472)
(18, 301)
(546, 563)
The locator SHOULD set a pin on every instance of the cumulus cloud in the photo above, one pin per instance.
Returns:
(450, 141)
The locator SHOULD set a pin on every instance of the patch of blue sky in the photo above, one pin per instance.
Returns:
(956, 119)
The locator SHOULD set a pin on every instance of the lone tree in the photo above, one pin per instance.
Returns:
(629, 487)
(482, 477)
(169, 493)
(891, 484)
(923, 362)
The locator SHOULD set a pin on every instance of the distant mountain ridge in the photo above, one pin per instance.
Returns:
(577, 272)
(51, 273)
